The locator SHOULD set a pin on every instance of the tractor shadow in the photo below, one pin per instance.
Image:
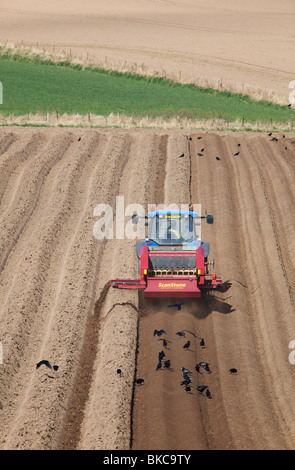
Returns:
(213, 302)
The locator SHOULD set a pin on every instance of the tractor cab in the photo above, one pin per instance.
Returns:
(174, 227)
(168, 228)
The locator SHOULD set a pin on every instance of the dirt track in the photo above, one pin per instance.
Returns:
(56, 305)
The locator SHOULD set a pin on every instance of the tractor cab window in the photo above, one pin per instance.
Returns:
(172, 229)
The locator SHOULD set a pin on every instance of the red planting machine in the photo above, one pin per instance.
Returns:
(173, 260)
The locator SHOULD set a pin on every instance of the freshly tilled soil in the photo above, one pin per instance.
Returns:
(57, 304)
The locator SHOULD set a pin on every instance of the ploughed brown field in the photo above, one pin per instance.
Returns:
(237, 45)
(56, 303)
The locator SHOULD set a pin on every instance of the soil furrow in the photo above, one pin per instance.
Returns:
(57, 304)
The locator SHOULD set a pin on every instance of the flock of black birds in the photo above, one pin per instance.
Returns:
(275, 139)
(186, 373)
(166, 363)
(236, 154)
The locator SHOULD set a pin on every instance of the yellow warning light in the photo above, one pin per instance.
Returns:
(145, 271)
(199, 271)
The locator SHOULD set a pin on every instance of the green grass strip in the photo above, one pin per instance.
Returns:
(34, 84)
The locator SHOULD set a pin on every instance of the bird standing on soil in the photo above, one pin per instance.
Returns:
(181, 333)
(185, 371)
(139, 381)
(202, 343)
(207, 369)
(182, 155)
(233, 371)
(201, 388)
(203, 364)
(159, 365)
(198, 368)
(208, 393)
(167, 364)
(236, 154)
(161, 355)
(186, 381)
(186, 345)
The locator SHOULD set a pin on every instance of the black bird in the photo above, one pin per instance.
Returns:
(186, 345)
(274, 139)
(270, 134)
(200, 154)
(203, 364)
(55, 367)
(159, 332)
(198, 368)
(199, 138)
(161, 355)
(239, 145)
(237, 153)
(201, 388)
(208, 393)
(79, 139)
(233, 371)
(182, 155)
(202, 150)
(139, 381)
(159, 366)
(178, 306)
(187, 389)
(207, 368)
(187, 378)
(181, 333)
(186, 381)
(167, 364)
(164, 342)
(119, 372)
(217, 158)
(185, 371)
(202, 343)
(46, 363)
